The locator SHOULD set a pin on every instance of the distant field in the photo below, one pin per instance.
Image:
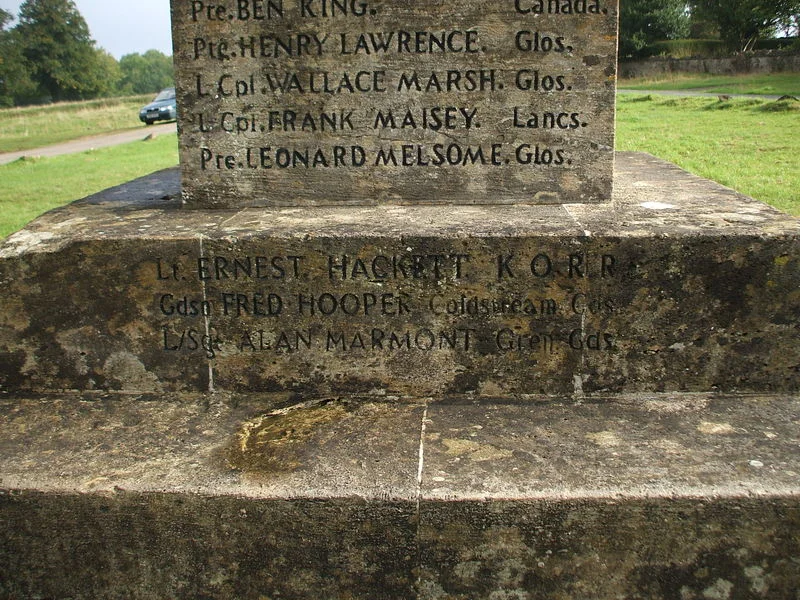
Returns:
(752, 146)
(778, 84)
(29, 187)
(34, 126)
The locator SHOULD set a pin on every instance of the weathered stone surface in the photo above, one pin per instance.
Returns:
(659, 445)
(692, 290)
(660, 496)
(604, 549)
(199, 444)
(580, 533)
(330, 102)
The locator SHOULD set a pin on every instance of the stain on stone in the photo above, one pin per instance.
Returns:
(11, 365)
(282, 440)
(715, 576)
(128, 372)
(475, 450)
(606, 439)
(715, 428)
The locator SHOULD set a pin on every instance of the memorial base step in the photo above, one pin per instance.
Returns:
(679, 284)
(264, 496)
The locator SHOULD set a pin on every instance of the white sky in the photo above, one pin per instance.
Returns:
(122, 27)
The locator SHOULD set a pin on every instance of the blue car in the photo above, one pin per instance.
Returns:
(162, 108)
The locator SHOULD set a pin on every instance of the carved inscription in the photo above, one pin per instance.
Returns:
(366, 303)
(353, 102)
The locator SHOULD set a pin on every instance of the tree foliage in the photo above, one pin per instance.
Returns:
(107, 74)
(50, 55)
(5, 47)
(5, 18)
(643, 22)
(59, 51)
(15, 82)
(742, 22)
(145, 73)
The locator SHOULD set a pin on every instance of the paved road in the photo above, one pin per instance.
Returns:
(92, 142)
(703, 94)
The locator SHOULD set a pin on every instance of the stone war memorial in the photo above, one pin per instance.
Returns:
(401, 326)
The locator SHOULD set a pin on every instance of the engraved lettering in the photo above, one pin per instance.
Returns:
(558, 7)
(508, 340)
(435, 118)
(408, 42)
(511, 110)
(374, 340)
(597, 341)
(314, 9)
(482, 80)
(249, 267)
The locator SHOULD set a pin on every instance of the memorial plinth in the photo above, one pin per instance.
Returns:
(347, 102)
(687, 291)
(296, 370)
(444, 472)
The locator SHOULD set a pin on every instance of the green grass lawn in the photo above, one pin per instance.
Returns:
(752, 146)
(35, 126)
(32, 186)
(778, 84)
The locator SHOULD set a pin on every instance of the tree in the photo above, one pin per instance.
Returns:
(15, 82)
(643, 22)
(5, 47)
(107, 74)
(145, 73)
(742, 22)
(59, 51)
